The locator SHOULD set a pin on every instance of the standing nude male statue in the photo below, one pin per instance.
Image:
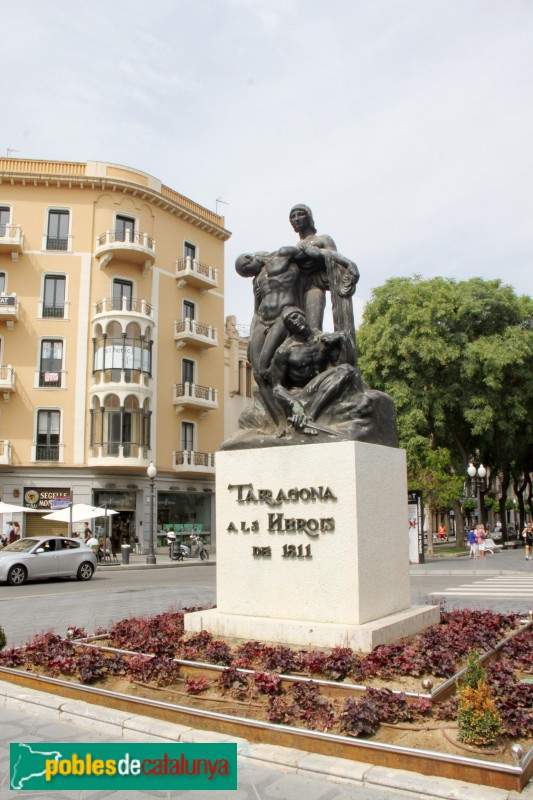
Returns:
(276, 286)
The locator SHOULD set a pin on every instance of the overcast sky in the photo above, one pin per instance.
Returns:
(406, 125)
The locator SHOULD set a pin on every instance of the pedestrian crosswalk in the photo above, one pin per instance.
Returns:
(515, 586)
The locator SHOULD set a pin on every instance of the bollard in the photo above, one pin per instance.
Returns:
(125, 550)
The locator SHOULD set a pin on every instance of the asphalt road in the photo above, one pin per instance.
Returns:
(502, 583)
(110, 595)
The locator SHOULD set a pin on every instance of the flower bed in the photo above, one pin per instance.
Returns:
(249, 680)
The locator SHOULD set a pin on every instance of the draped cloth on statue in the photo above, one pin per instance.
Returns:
(342, 288)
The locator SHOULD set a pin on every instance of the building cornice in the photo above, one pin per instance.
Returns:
(93, 175)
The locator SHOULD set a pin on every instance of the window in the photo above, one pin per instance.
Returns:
(54, 296)
(122, 356)
(187, 436)
(113, 425)
(5, 212)
(120, 430)
(188, 309)
(187, 371)
(51, 363)
(122, 294)
(47, 448)
(124, 229)
(57, 235)
(3, 282)
(189, 250)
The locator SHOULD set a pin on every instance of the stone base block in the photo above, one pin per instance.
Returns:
(386, 630)
(330, 542)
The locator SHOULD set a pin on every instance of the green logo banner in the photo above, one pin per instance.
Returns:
(135, 766)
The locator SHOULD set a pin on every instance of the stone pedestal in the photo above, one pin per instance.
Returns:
(312, 547)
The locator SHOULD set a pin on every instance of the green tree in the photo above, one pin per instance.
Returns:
(456, 357)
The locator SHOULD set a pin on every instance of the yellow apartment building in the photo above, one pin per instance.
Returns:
(111, 346)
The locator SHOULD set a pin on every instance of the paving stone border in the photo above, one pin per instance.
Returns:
(137, 728)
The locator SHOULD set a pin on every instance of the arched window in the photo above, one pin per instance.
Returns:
(131, 427)
(120, 430)
(112, 426)
(122, 356)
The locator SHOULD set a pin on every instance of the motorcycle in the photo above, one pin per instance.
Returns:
(174, 547)
(179, 551)
(200, 551)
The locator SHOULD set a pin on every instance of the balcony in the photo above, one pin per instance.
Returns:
(48, 379)
(119, 455)
(56, 244)
(189, 395)
(9, 310)
(189, 462)
(190, 332)
(55, 311)
(11, 240)
(127, 309)
(192, 272)
(7, 381)
(137, 248)
(6, 456)
(48, 453)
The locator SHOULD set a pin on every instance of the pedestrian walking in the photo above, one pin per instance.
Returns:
(527, 533)
(472, 542)
(115, 540)
(14, 533)
(480, 539)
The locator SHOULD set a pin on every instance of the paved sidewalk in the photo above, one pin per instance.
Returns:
(266, 772)
(505, 563)
(163, 561)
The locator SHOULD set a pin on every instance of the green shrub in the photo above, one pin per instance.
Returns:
(478, 719)
(474, 673)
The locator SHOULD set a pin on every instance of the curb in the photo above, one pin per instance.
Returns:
(472, 572)
(120, 724)
(173, 564)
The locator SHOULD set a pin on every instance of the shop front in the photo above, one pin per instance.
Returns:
(45, 499)
(184, 512)
(123, 525)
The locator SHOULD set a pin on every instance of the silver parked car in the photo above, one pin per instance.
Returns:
(38, 557)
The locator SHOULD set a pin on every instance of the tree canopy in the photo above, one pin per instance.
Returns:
(457, 358)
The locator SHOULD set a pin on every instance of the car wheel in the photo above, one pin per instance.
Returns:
(17, 575)
(85, 571)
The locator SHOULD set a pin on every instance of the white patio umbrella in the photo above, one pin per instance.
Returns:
(79, 512)
(9, 508)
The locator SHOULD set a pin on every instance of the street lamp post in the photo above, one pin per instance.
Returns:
(151, 472)
(477, 476)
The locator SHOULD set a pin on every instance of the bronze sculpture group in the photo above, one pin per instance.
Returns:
(309, 387)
